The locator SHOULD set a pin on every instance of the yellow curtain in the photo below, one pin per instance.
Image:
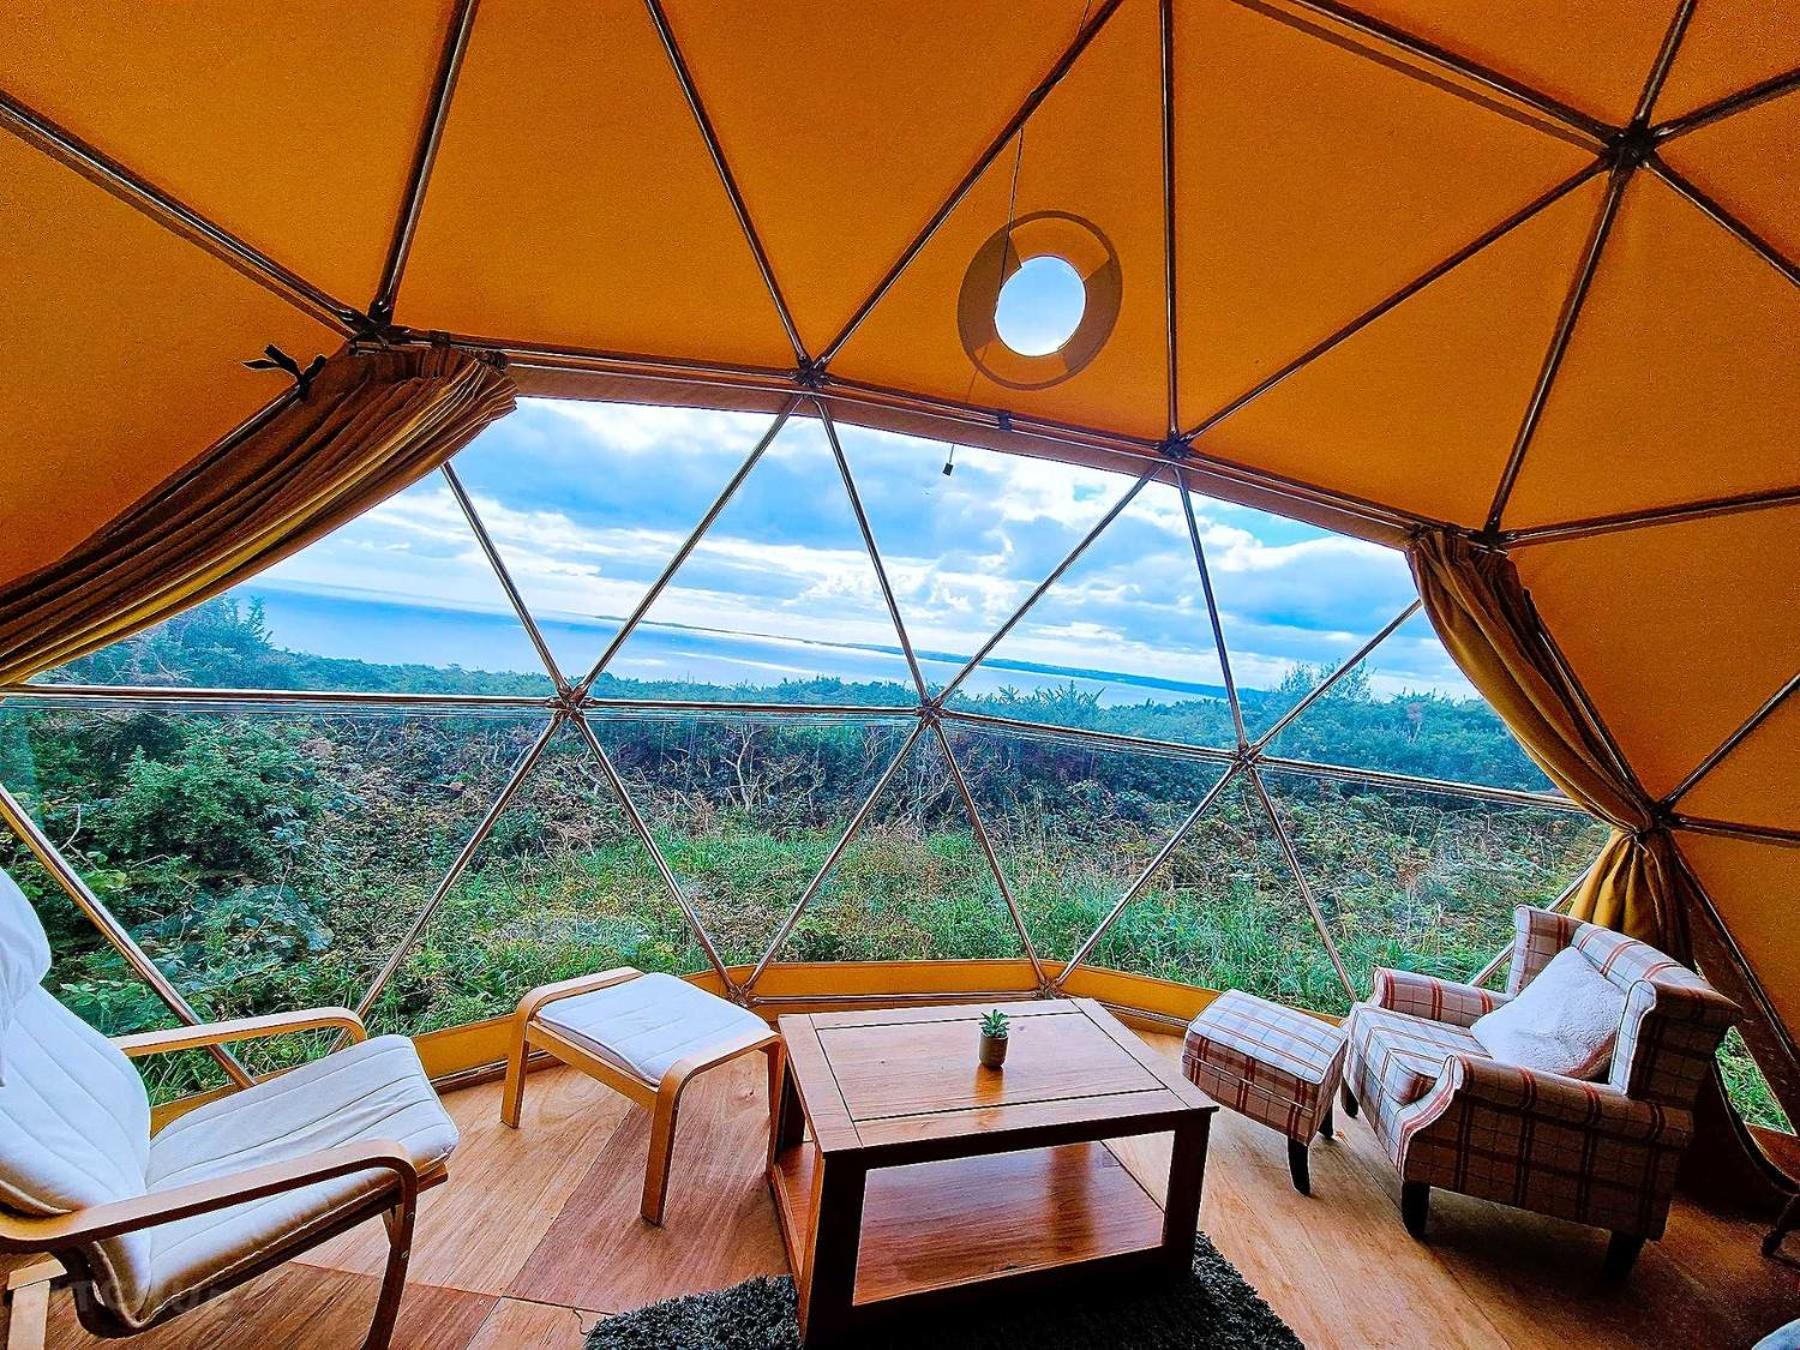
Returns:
(370, 425)
(1484, 616)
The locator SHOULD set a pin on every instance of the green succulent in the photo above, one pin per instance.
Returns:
(995, 1024)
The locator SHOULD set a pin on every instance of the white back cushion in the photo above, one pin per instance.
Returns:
(24, 955)
(74, 1130)
(1565, 1021)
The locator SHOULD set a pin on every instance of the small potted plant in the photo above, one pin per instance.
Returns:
(995, 1029)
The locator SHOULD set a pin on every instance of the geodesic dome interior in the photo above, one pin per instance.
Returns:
(1382, 268)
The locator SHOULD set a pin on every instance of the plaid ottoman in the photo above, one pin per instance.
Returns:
(1272, 1064)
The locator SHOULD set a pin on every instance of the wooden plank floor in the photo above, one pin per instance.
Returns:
(537, 1236)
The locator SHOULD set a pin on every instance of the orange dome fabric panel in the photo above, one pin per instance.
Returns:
(1670, 391)
(120, 354)
(1755, 886)
(292, 126)
(1679, 631)
(1730, 45)
(1758, 783)
(573, 201)
(1750, 161)
(1314, 179)
(1420, 408)
(804, 97)
(1596, 58)
(1092, 149)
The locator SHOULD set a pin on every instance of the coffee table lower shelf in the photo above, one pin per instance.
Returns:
(931, 1228)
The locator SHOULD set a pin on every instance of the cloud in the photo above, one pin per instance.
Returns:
(586, 503)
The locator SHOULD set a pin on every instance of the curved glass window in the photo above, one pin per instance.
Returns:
(715, 693)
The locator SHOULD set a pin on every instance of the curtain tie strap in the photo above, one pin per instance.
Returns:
(273, 358)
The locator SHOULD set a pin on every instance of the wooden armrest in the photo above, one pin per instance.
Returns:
(201, 1197)
(683, 1069)
(581, 984)
(241, 1029)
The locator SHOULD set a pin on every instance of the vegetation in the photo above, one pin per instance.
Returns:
(276, 858)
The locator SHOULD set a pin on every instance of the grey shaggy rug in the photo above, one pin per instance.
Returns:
(1214, 1308)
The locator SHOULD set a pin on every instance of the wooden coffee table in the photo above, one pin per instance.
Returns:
(903, 1172)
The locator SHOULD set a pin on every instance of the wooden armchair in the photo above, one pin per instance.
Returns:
(142, 1227)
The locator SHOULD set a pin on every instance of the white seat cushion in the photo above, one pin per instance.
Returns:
(645, 1025)
(375, 1090)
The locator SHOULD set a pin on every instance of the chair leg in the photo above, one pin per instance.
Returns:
(1327, 1126)
(1415, 1206)
(28, 1321)
(1621, 1255)
(399, 1221)
(1297, 1167)
(662, 1151)
(1789, 1220)
(1348, 1098)
(512, 1097)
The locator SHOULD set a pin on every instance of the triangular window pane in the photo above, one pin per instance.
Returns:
(1426, 881)
(963, 550)
(1295, 601)
(746, 809)
(778, 603)
(587, 502)
(1406, 708)
(400, 599)
(265, 860)
(1225, 913)
(562, 886)
(1121, 642)
(1074, 823)
(913, 885)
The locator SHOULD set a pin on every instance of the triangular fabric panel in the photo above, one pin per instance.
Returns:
(1679, 383)
(1422, 405)
(1074, 824)
(1758, 783)
(122, 346)
(573, 201)
(1406, 708)
(1755, 886)
(1120, 642)
(1750, 163)
(400, 600)
(561, 887)
(1679, 632)
(835, 194)
(251, 134)
(1597, 65)
(1426, 881)
(746, 809)
(778, 602)
(1100, 167)
(1224, 913)
(1313, 183)
(1730, 45)
(914, 884)
(586, 503)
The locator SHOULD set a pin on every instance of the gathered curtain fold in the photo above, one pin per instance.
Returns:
(371, 424)
(1484, 616)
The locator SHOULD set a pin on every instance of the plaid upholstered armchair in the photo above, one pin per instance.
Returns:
(1602, 1153)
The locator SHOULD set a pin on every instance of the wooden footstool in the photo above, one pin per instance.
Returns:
(642, 1035)
(1270, 1063)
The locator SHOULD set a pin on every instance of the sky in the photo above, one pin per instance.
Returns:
(587, 501)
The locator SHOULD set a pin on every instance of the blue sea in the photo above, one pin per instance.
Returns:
(370, 628)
